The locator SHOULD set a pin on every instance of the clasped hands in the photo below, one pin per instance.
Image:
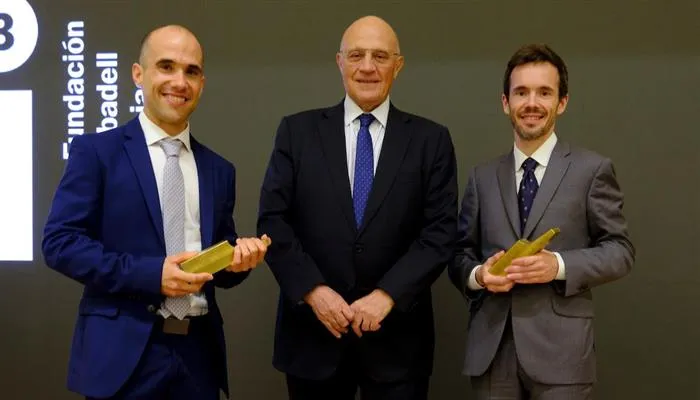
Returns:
(365, 314)
(539, 268)
(247, 254)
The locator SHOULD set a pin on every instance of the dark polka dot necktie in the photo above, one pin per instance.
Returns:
(364, 168)
(527, 191)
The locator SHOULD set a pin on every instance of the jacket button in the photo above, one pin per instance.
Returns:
(359, 249)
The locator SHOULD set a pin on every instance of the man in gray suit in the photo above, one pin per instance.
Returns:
(531, 331)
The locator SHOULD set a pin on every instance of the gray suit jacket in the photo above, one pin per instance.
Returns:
(552, 323)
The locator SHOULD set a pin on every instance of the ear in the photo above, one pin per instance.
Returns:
(506, 105)
(204, 81)
(399, 66)
(561, 107)
(339, 61)
(137, 74)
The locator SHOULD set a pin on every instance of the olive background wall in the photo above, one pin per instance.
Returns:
(635, 90)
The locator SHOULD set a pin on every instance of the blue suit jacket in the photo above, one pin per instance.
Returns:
(105, 231)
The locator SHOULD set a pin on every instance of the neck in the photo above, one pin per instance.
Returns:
(530, 146)
(368, 108)
(170, 129)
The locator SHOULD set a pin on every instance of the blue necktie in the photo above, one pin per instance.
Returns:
(364, 168)
(527, 192)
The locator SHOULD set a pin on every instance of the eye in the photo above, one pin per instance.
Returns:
(355, 56)
(194, 72)
(380, 56)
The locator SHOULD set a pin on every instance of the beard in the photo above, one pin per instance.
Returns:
(529, 134)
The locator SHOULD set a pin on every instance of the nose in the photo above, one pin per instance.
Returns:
(367, 64)
(532, 99)
(179, 80)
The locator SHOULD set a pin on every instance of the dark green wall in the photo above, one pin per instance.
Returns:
(635, 89)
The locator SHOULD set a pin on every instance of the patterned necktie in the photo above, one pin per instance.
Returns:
(528, 190)
(364, 168)
(173, 199)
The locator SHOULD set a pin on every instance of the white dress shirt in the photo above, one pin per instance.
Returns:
(193, 237)
(541, 155)
(352, 128)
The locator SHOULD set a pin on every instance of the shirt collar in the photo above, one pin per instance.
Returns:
(153, 133)
(541, 155)
(352, 111)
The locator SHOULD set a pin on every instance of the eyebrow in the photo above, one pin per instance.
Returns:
(523, 87)
(366, 49)
(163, 61)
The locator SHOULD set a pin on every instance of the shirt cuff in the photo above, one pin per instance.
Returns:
(472, 284)
(561, 274)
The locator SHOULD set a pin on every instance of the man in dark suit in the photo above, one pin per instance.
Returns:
(133, 203)
(361, 199)
(531, 331)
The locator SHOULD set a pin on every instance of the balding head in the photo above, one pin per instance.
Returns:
(369, 60)
(168, 32)
(171, 75)
(370, 26)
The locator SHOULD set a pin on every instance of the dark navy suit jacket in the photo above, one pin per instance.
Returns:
(402, 247)
(105, 230)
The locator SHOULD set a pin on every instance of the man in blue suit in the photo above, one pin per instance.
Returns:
(133, 203)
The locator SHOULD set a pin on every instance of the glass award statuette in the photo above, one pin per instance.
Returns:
(522, 248)
(214, 258)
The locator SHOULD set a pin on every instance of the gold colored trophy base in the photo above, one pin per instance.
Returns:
(214, 258)
(522, 248)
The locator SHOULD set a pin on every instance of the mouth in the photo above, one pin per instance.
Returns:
(367, 81)
(175, 100)
(532, 118)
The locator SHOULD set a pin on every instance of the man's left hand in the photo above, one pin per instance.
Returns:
(248, 253)
(370, 311)
(539, 268)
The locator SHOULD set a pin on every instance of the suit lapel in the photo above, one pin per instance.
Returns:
(137, 151)
(556, 169)
(206, 193)
(396, 139)
(332, 132)
(506, 183)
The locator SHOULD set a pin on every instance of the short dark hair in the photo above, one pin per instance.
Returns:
(142, 47)
(537, 53)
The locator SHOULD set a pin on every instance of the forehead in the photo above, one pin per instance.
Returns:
(370, 36)
(535, 75)
(176, 46)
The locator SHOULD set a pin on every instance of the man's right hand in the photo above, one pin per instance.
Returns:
(493, 283)
(331, 309)
(176, 282)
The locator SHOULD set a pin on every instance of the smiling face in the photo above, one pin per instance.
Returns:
(533, 102)
(170, 73)
(369, 61)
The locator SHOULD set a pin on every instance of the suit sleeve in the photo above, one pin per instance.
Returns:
(227, 231)
(429, 253)
(69, 245)
(295, 271)
(468, 245)
(611, 253)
